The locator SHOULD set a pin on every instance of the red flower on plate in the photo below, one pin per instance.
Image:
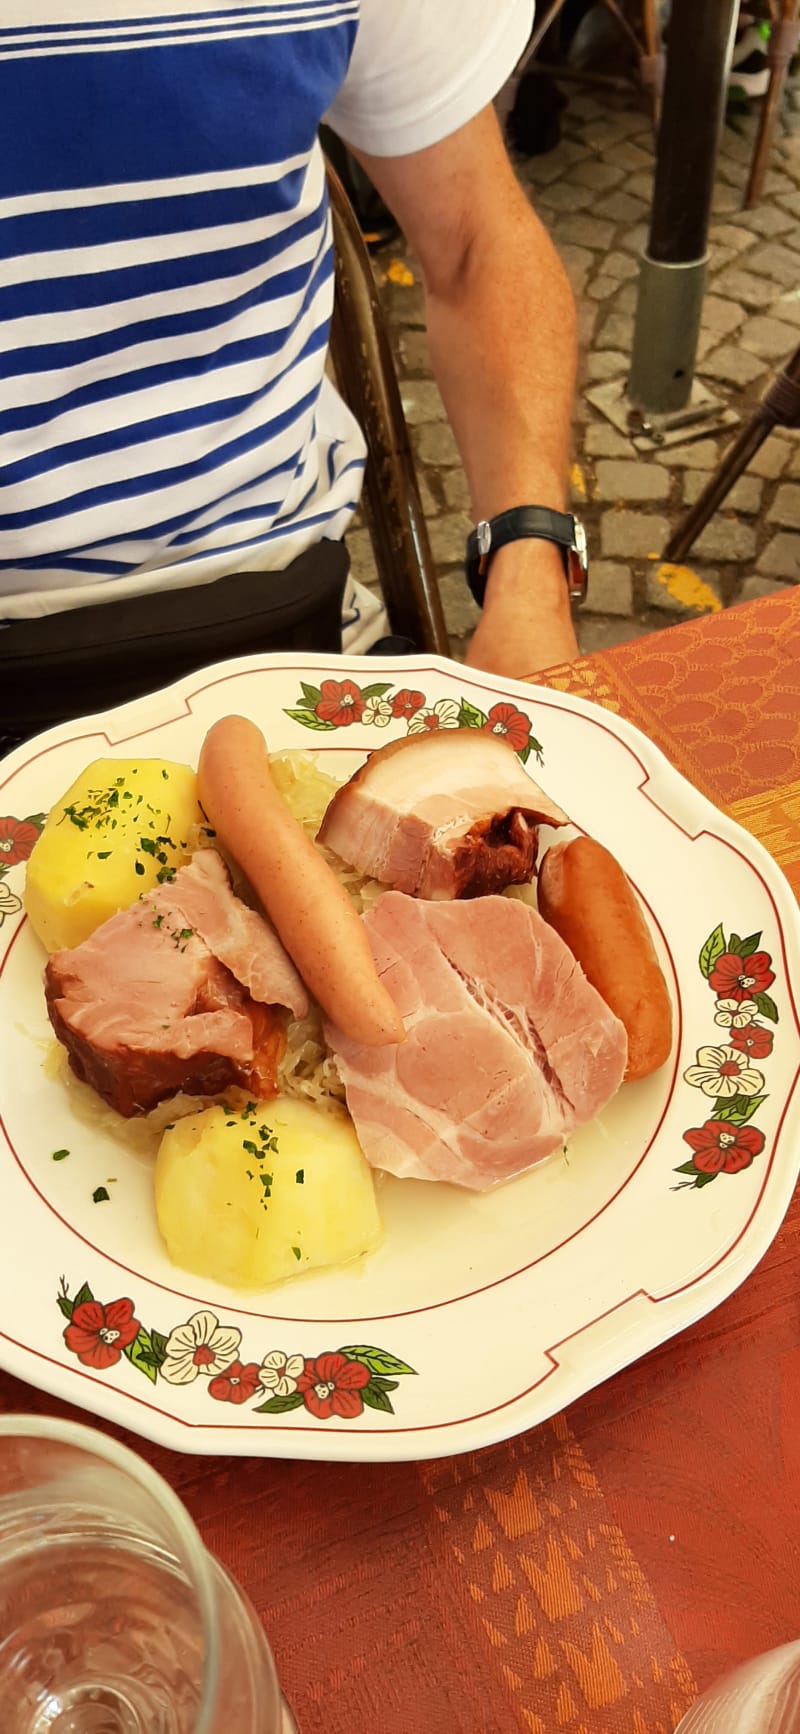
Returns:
(406, 703)
(98, 1334)
(720, 1148)
(735, 977)
(340, 703)
(17, 837)
(237, 1384)
(332, 1385)
(505, 719)
(755, 1041)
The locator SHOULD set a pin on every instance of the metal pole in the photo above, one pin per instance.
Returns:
(673, 266)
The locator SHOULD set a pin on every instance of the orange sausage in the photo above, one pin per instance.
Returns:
(585, 896)
(301, 894)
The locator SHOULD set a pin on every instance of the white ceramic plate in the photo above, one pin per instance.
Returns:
(480, 1315)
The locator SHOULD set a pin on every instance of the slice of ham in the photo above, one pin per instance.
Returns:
(445, 814)
(178, 992)
(508, 1048)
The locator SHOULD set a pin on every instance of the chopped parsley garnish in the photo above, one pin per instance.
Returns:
(157, 920)
(103, 854)
(147, 845)
(100, 1195)
(165, 875)
(138, 867)
(300, 1176)
(59, 1155)
(165, 775)
(296, 1251)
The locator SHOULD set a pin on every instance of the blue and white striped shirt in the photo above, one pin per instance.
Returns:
(166, 273)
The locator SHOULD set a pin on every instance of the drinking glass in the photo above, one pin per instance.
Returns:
(760, 1697)
(113, 1617)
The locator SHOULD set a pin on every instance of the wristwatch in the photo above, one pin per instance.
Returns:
(560, 527)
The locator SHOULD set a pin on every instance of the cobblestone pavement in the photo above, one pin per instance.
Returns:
(593, 192)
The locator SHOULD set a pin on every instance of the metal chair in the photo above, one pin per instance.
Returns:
(647, 48)
(779, 407)
(365, 372)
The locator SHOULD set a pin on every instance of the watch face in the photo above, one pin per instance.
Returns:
(578, 563)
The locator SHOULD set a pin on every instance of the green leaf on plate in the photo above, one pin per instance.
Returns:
(378, 689)
(280, 1405)
(735, 944)
(311, 694)
(309, 719)
(469, 717)
(159, 1343)
(142, 1356)
(375, 1398)
(686, 1168)
(766, 1006)
(84, 1294)
(747, 946)
(704, 1180)
(378, 1360)
(713, 948)
(65, 1305)
(739, 1109)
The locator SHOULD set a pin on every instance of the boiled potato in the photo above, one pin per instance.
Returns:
(250, 1198)
(123, 823)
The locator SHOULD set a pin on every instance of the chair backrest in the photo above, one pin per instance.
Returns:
(364, 366)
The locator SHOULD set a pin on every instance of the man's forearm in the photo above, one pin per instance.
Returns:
(503, 345)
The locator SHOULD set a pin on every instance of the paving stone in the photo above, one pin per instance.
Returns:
(794, 466)
(456, 491)
(621, 207)
(696, 455)
(562, 196)
(788, 308)
(769, 338)
(422, 402)
(771, 459)
(778, 263)
(632, 535)
(755, 589)
(539, 171)
(588, 315)
(434, 443)
(362, 559)
(585, 231)
(743, 286)
(594, 633)
(726, 539)
(578, 262)
(777, 184)
(604, 364)
(610, 588)
(405, 302)
(673, 601)
(629, 155)
(617, 332)
(726, 200)
(460, 612)
(730, 235)
(413, 351)
(631, 479)
(448, 537)
(791, 202)
(720, 258)
(767, 220)
(732, 366)
(636, 239)
(619, 265)
(785, 508)
(601, 440)
(602, 288)
(596, 174)
(720, 315)
(745, 495)
(781, 557)
(626, 298)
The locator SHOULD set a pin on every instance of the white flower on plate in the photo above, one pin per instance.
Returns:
(280, 1372)
(724, 1072)
(377, 711)
(201, 1346)
(735, 1014)
(444, 715)
(10, 903)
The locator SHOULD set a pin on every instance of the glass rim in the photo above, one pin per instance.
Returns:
(197, 1557)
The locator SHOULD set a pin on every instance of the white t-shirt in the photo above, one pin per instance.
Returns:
(166, 273)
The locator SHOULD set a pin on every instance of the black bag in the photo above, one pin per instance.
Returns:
(87, 659)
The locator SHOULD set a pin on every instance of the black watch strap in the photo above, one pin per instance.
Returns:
(537, 521)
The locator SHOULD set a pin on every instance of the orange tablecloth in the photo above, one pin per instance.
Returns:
(593, 1574)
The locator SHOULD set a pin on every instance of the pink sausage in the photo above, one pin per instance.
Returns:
(302, 896)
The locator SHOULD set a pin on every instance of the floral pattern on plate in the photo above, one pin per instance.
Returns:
(17, 837)
(739, 974)
(336, 704)
(340, 1382)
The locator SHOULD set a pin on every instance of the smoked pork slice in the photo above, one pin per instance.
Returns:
(177, 992)
(451, 813)
(508, 1048)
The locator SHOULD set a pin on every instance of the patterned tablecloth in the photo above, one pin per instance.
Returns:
(593, 1574)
